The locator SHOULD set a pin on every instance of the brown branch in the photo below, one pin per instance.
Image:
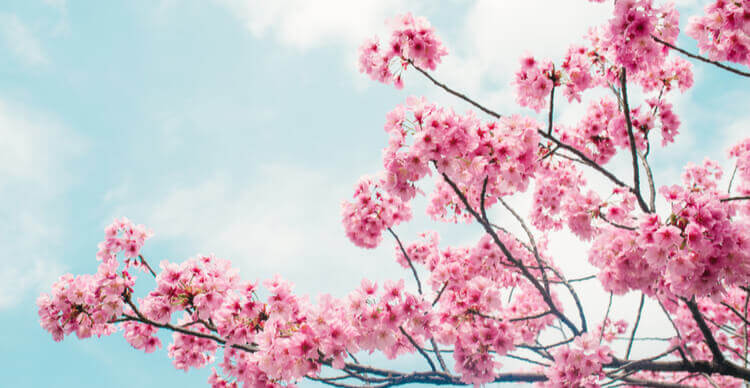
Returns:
(585, 159)
(654, 384)
(650, 177)
(631, 137)
(408, 260)
(546, 347)
(606, 316)
(582, 279)
(700, 58)
(737, 313)
(144, 262)
(532, 241)
(713, 346)
(635, 326)
(708, 367)
(525, 271)
(731, 180)
(440, 293)
(676, 330)
(743, 198)
(419, 348)
(551, 104)
(455, 93)
(437, 355)
(616, 225)
(519, 358)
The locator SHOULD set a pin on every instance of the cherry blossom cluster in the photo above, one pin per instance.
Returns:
(372, 211)
(422, 134)
(579, 77)
(580, 70)
(291, 337)
(200, 284)
(141, 335)
(674, 72)
(122, 236)
(723, 33)
(578, 365)
(473, 280)
(189, 351)
(629, 36)
(534, 82)
(600, 64)
(603, 130)
(559, 196)
(296, 336)
(85, 304)
(412, 40)
(698, 250)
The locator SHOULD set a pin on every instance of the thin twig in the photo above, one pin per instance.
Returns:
(526, 360)
(616, 225)
(585, 159)
(606, 316)
(737, 313)
(408, 260)
(676, 330)
(532, 241)
(437, 354)
(144, 262)
(525, 271)
(455, 93)
(582, 279)
(731, 180)
(440, 293)
(635, 326)
(419, 348)
(650, 177)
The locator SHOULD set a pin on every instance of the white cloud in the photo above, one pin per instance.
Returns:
(21, 41)
(307, 24)
(30, 143)
(286, 221)
(34, 149)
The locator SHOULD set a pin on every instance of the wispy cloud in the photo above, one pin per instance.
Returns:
(308, 24)
(21, 41)
(286, 220)
(34, 151)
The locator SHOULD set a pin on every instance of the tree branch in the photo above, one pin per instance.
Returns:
(635, 326)
(631, 137)
(488, 228)
(419, 348)
(408, 260)
(455, 93)
(585, 159)
(145, 263)
(744, 198)
(551, 104)
(700, 58)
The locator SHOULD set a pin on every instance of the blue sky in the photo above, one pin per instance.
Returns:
(237, 127)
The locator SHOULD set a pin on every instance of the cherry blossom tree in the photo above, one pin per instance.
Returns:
(500, 298)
